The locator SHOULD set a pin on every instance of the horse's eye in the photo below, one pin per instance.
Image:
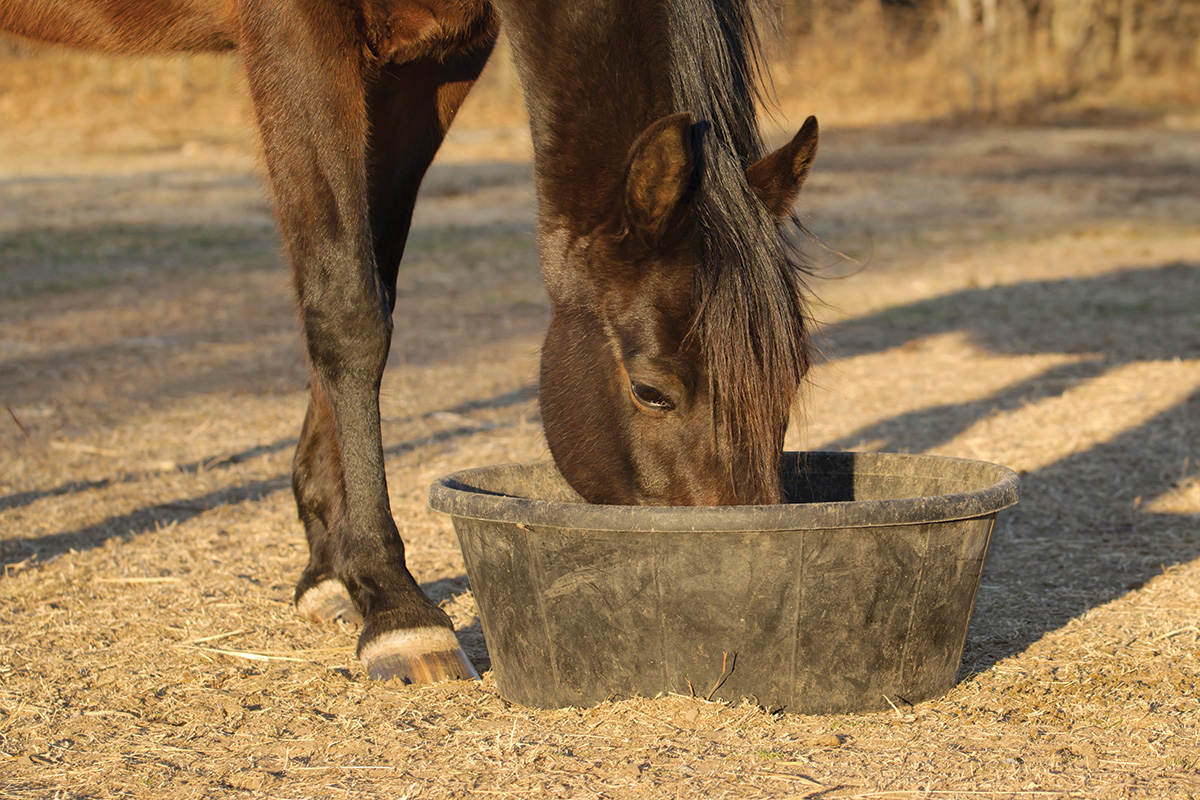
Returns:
(651, 398)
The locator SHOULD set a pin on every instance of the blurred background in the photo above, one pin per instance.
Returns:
(1015, 60)
(852, 62)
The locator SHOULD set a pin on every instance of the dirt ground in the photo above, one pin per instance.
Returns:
(1029, 296)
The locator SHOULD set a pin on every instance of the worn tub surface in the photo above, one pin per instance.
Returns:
(856, 593)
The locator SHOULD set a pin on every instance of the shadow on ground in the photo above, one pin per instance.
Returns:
(1070, 546)
(1077, 540)
(150, 518)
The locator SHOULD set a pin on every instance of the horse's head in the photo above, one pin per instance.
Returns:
(677, 342)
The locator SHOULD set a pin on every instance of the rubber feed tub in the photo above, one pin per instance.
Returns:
(856, 593)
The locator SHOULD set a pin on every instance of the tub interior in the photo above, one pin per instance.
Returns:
(807, 478)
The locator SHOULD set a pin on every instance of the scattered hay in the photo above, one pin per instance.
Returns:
(148, 646)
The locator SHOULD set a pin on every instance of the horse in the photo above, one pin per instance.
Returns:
(679, 335)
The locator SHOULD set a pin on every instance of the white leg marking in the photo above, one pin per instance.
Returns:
(413, 643)
(329, 593)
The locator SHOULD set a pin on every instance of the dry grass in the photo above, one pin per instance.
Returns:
(1029, 296)
(872, 62)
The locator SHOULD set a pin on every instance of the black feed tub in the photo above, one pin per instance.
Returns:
(855, 594)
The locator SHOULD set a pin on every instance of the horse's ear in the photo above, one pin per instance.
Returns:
(777, 178)
(661, 169)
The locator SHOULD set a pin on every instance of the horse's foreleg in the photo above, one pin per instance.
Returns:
(411, 107)
(317, 484)
(309, 78)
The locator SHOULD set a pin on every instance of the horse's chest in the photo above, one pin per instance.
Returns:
(400, 31)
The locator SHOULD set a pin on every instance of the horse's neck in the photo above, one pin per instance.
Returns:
(595, 75)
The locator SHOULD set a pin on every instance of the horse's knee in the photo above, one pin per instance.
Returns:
(347, 339)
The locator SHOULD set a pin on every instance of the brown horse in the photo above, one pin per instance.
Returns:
(678, 339)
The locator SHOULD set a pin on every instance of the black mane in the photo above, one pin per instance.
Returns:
(750, 319)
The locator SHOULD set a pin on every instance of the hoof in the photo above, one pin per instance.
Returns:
(417, 655)
(327, 601)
